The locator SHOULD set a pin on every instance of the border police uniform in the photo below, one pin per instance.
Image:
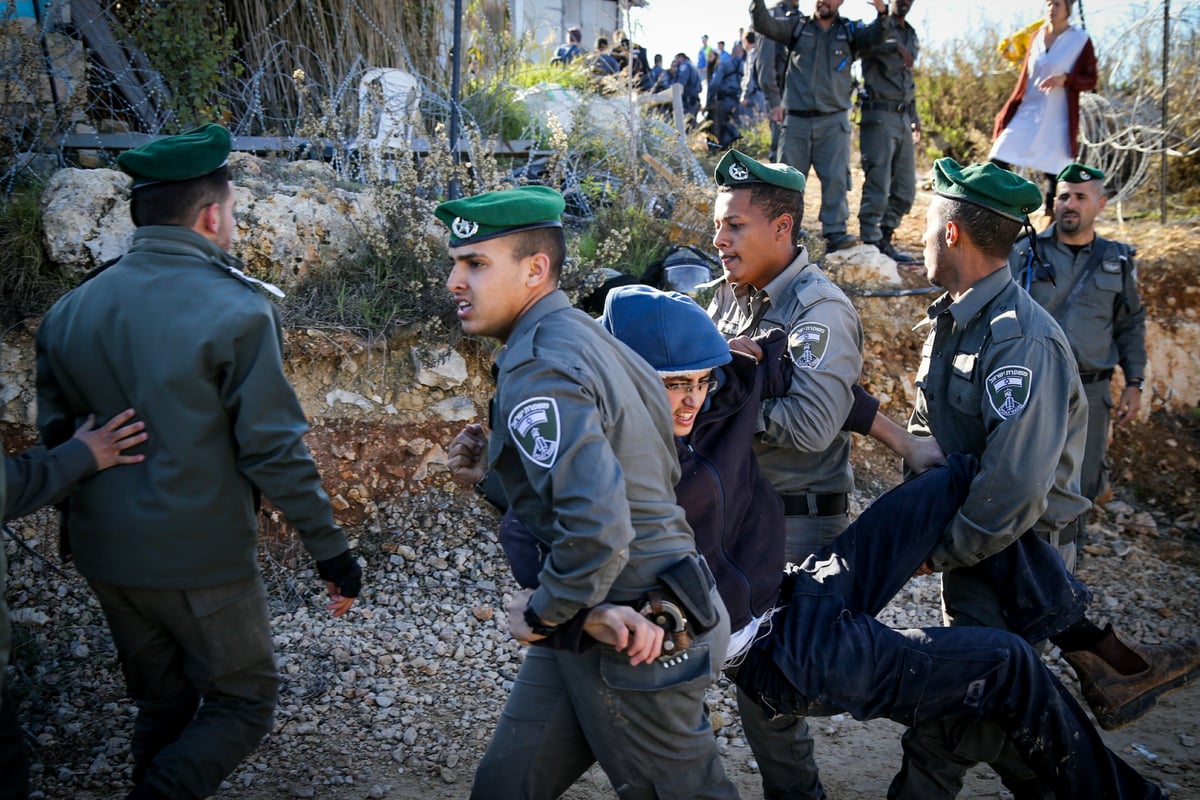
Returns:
(889, 117)
(582, 444)
(1092, 292)
(169, 545)
(997, 381)
(801, 446)
(816, 132)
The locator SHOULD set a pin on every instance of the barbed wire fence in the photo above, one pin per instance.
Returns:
(1122, 130)
(74, 91)
(71, 81)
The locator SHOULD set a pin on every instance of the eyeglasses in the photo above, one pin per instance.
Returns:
(706, 385)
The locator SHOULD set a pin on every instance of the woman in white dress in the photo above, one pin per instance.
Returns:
(1038, 128)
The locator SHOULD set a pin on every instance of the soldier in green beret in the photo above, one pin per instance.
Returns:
(168, 546)
(1089, 285)
(997, 381)
(770, 284)
(821, 49)
(581, 440)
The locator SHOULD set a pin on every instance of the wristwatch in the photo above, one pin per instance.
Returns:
(535, 623)
(1136, 383)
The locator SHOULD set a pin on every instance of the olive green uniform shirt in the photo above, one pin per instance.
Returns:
(1106, 322)
(998, 381)
(582, 443)
(819, 78)
(801, 446)
(170, 331)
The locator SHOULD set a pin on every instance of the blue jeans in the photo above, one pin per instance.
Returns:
(827, 649)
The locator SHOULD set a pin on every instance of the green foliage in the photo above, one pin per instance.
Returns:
(29, 281)
(756, 139)
(959, 91)
(494, 107)
(625, 238)
(191, 44)
(400, 280)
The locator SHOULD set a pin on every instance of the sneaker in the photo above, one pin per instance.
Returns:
(838, 241)
(1117, 700)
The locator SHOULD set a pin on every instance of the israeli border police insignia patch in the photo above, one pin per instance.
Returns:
(1008, 389)
(534, 427)
(807, 343)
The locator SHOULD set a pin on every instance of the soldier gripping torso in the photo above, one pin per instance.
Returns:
(801, 446)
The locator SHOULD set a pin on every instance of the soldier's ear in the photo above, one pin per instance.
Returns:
(538, 270)
(951, 233)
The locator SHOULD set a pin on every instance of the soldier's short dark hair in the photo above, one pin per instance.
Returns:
(551, 241)
(774, 201)
(992, 233)
(178, 202)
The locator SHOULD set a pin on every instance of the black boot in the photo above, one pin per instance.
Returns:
(888, 249)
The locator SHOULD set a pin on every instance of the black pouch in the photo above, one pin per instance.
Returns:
(691, 582)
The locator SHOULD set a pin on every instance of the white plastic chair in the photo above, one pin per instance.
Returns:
(389, 109)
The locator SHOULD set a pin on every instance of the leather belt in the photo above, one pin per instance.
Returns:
(814, 505)
(810, 114)
(1095, 377)
(886, 105)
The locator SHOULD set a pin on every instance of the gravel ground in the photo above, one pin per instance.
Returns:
(399, 699)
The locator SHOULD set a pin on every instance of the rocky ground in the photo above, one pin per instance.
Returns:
(398, 699)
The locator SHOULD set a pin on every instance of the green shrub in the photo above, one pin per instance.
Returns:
(191, 44)
(29, 281)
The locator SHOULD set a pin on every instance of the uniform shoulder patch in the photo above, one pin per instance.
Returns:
(807, 343)
(1008, 389)
(534, 427)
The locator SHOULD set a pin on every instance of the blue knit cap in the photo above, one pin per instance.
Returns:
(667, 329)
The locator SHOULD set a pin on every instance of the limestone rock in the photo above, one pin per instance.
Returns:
(85, 214)
(444, 369)
(861, 265)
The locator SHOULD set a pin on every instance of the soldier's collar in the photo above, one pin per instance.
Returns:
(974, 300)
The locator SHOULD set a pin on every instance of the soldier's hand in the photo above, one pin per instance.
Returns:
(744, 344)
(466, 462)
(776, 115)
(626, 630)
(518, 628)
(343, 580)
(922, 453)
(1130, 404)
(109, 440)
(905, 55)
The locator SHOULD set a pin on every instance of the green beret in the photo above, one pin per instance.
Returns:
(1078, 173)
(491, 214)
(177, 158)
(988, 186)
(739, 169)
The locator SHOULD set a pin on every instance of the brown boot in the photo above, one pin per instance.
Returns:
(1120, 694)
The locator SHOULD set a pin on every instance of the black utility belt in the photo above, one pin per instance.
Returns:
(810, 114)
(815, 505)
(886, 105)
(1095, 377)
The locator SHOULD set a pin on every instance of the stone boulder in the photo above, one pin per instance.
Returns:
(291, 220)
(85, 215)
(862, 265)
